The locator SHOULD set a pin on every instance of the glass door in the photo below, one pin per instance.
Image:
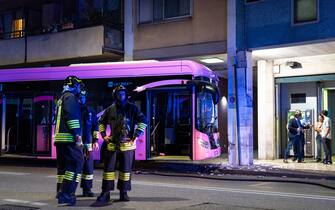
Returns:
(43, 120)
(19, 121)
(170, 122)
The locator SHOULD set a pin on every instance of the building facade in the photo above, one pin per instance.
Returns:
(36, 33)
(292, 45)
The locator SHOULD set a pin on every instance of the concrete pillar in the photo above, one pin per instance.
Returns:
(266, 110)
(244, 104)
(128, 30)
(3, 123)
(231, 50)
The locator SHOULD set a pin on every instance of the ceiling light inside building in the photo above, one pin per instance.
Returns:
(212, 60)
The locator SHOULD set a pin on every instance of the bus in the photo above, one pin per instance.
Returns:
(179, 99)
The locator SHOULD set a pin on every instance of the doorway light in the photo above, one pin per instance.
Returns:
(212, 60)
(294, 64)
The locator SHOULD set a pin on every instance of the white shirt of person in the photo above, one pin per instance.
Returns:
(326, 124)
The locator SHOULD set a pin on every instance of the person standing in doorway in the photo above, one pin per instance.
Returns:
(291, 138)
(296, 130)
(318, 138)
(326, 137)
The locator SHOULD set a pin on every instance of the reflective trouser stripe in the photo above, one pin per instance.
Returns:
(109, 176)
(87, 177)
(124, 176)
(60, 178)
(78, 178)
(69, 175)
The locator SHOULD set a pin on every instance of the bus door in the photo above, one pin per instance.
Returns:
(43, 121)
(18, 124)
(170, 123)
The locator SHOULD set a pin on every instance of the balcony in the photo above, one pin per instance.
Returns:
(59, 45)
(46, 31)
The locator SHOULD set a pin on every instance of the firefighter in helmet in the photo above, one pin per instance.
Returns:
(126, 123)
(68, 141)
(90, 139)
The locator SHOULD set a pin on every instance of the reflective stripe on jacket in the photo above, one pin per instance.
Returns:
(68, 118)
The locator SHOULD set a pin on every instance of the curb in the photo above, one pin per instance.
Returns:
(217, 169)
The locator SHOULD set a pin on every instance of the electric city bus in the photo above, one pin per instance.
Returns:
(179, 99)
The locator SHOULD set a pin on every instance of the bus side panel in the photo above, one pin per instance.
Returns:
(53, 148)
(202, 147)
(141, 144)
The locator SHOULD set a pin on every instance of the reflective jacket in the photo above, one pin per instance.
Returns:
(68, 119)
(89, 127)
(122, 121)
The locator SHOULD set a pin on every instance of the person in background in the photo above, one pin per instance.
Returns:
(296, 130)
(291, 139)
(318, 138)
(326, 137)
(90, 140)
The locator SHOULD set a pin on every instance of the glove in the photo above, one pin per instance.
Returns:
(87, 154)
(96, 146)
(107, 139)
(79, 142)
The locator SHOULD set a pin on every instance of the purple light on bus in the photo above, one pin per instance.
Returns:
(116, 70)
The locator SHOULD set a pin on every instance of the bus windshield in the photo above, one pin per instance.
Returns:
(206, 114)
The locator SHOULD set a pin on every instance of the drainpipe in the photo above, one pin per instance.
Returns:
(128, 31)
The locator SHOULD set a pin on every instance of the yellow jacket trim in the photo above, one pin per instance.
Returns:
(64, 137)
(95, 134)
(127, 146)
(102, 128)
(59, 112)
(73, 124)
(111, 146)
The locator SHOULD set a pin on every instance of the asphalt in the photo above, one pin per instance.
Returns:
(309, 172)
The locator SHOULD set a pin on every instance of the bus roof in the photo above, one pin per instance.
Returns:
(108, 70)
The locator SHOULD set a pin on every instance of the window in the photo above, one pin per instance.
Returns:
(305, 10)
(18, 28)
(249, 1)
(161, 10)
(298, 98)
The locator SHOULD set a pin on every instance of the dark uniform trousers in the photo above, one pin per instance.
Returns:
(125, 159)
(69, 166)
(87, 176)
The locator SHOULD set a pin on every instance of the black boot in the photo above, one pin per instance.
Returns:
(64, 198)
(58, 190)
(123, 196)
(104, 197)
(88, 193)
